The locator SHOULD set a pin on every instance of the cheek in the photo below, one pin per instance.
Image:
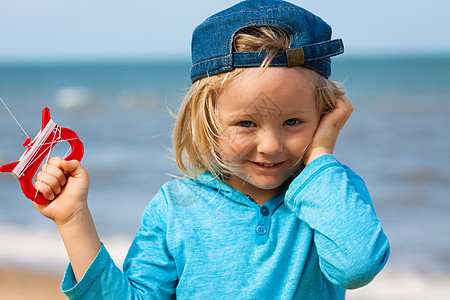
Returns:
(297, 144)
(235, 145)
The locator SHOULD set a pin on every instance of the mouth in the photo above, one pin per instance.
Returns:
(268, 165)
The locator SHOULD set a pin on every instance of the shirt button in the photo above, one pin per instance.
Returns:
(261, 230)
(264, 210)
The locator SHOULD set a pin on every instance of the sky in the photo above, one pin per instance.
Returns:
(141, 29)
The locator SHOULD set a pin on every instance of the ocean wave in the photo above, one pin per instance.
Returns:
(42, 249)
(404, 285)
(74, 97)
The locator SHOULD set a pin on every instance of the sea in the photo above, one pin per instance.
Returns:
(398, 140)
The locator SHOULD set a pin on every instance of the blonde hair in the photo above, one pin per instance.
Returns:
(197, 129)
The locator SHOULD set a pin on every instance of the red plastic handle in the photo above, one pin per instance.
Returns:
(26, 179)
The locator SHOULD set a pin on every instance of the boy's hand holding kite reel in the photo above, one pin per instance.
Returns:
(26, 167)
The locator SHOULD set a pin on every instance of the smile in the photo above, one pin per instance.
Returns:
(268, 165)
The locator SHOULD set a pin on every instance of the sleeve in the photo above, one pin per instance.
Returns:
(149, 269)
(336, 204)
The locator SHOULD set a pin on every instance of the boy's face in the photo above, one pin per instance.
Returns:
(268, 121)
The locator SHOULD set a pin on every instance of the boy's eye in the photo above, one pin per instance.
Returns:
(291, 122)
(245, 123)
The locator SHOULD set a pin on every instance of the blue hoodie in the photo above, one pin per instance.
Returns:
(204, 240)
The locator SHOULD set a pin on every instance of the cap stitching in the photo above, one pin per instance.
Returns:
(223, 57)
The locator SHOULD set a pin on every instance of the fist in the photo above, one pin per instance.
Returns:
(66, 184)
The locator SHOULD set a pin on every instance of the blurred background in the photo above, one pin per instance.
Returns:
(112, 71)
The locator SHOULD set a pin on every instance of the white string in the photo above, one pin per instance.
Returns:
(14, 118)
(51, 143)
(67, 153)
(30, 160)
(34, 158)
(46, 162)
(58, 141)
(30, 154)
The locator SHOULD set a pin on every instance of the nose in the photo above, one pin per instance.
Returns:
(269, 142)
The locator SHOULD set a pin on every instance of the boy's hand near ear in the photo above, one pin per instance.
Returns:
(328, 130)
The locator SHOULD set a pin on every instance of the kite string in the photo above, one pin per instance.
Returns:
(46, 162)
(12, 115)
(33, 159)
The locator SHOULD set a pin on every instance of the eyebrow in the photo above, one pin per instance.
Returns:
(282, 115)
(298, 111)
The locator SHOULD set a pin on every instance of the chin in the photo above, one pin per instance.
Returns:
(269, 184)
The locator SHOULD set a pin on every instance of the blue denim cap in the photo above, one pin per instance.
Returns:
(311, 47)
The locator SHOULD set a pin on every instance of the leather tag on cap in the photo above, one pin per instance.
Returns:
(295, 57)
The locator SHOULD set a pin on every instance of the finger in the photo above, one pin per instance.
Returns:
(50, 181)
(55, 171)
(342, 101)
(45, 190)
(348, 108)
(340, 114)
(74, 168)
(54, 160)
(347, 105)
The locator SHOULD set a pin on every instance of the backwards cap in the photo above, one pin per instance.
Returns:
(311, 47)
